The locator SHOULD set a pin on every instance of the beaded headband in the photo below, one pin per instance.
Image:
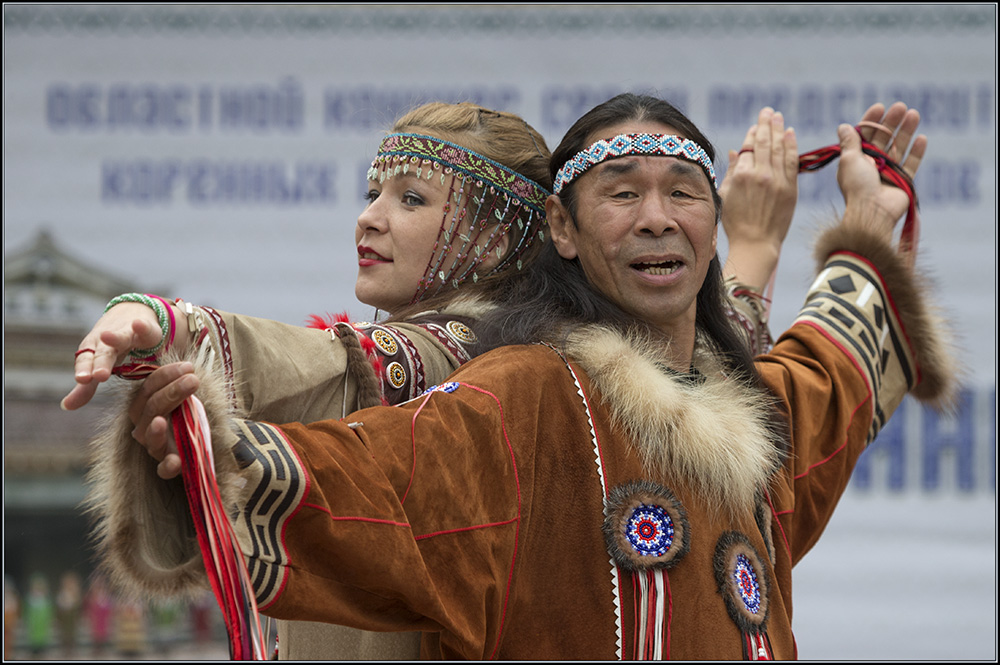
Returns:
(491, 195)
(624, 145)
(419, 147)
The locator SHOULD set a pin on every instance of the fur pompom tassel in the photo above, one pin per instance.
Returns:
(327, 322)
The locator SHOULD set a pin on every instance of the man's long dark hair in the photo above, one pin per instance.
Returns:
(551, 296)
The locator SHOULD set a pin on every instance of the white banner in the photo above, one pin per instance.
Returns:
(221, 151)
(218, 153)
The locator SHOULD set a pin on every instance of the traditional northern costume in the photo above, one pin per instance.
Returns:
(582, 502)
(269, 371)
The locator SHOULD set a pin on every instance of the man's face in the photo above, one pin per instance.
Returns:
(645, 231)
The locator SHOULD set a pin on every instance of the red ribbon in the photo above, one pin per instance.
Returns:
(224, 562)
(890, 172)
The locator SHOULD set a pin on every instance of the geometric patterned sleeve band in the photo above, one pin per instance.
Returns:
(848, 302)
(276, 484)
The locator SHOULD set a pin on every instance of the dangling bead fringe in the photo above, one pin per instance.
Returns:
(653, 615)
(755, 647)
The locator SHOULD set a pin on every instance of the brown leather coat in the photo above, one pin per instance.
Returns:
(536, 505)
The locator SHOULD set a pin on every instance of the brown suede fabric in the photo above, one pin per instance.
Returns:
(476, 515)
(493, 545)
(264, 370)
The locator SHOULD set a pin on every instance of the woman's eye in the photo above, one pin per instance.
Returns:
(623, 195)
(371, 195)
(680, 193)
(411, 199)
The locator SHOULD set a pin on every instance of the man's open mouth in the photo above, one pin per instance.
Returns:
(661, 268)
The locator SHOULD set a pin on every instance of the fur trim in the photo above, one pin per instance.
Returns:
(469, 306)
(364, 364)
(927, 330)
(713, 435)
(143, 532)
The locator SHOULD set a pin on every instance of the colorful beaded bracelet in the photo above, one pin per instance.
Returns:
(161, 317)
(170, 313)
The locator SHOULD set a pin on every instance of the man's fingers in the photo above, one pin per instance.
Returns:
(908, 125)
(166, 375)
(163, 402)
(917, 151)
(162, 392)
(170, 467)
(172, 395)
(874, 114)
(848, 138)
(159, 443)
(892, 120)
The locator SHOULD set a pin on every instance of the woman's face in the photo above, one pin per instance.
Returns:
(398, 235)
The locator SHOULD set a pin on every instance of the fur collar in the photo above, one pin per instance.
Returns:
(713, 434)
(467, 305)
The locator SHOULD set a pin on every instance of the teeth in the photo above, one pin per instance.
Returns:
(665, 268)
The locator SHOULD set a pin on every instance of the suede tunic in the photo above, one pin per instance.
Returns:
(268, 370)
(483, 513)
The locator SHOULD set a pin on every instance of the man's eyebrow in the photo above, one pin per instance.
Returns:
(685, 168)
(617, 167)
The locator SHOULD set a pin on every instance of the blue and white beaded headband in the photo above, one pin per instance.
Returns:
(626, 145)
(417, 148)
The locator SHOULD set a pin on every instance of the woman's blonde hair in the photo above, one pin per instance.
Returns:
(501, 136)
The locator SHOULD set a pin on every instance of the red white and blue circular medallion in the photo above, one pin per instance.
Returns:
(650, 530)
(645, 526)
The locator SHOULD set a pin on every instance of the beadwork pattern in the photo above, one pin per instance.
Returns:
(461, 331)
(448, 387)
(746, 583)
(385, 342)
(743, 582)
(418, 147)
(442, 335)
(396, 375)
(624, 145)
(645, 527)
(650, 530)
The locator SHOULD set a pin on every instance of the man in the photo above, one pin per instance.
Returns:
(634, 486)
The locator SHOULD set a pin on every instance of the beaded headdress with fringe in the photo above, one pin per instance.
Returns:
(486, 201)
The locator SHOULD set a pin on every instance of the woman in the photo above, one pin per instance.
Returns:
(456, 195)
(441, 214)
(484, 169)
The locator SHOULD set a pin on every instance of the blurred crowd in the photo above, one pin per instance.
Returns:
(76, 619)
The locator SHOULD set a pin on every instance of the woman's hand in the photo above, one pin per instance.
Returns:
(125, 327)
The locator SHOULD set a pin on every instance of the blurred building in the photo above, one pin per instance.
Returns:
(51, 300)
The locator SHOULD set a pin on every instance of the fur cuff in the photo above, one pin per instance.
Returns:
(926, 329)
(143, 531)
